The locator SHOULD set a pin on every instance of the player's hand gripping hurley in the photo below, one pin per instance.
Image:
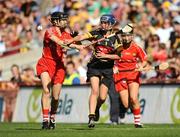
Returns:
(66, 46)
(161, 67)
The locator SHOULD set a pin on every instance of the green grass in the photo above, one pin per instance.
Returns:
(81, 130)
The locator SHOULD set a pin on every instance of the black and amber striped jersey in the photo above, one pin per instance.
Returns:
(107, 46)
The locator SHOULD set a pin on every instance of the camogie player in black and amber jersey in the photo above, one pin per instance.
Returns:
(100, 71)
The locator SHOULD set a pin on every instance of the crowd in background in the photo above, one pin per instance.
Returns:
(157, 30)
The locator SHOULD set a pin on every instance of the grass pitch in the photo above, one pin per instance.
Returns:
(81, 130)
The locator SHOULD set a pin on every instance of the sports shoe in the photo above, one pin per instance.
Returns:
(122, 120)
(52, 124)
(45, 125)
(91, 123)
(114, 123)
(138, 125)
(97, 115)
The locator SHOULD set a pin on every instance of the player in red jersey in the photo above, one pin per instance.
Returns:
(50, 67)
(131, 60)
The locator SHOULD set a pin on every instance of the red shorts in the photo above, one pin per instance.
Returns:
(122, 79)
(55, 69)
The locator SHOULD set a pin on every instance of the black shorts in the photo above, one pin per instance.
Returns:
(106, 75)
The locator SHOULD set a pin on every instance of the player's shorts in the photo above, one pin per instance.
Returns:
(122, 79)
(56, 70)
(106, 75)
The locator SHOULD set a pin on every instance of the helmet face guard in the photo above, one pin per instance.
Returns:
(59, 19)
(127, 34)
(127, 30)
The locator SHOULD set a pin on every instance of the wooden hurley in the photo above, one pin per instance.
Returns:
(161, 67)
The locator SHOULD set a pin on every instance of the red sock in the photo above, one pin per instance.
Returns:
(45, 114)
(137, 116)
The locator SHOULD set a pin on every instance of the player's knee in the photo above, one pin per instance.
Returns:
(134, 100)
(95, 92)
(46, 92)
(56, 97)
(102, 100)
(126, 105)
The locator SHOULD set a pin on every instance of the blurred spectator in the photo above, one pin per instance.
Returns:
(105, 7)
(144, 27)
(165, 31)
(79, 19)
(25, 25)
(148, 75)
(2, 46)
(68, 6)
(29, 42)
(80, 69)
(29, 77)
(39, 33)
(27, 6)
(72, 77)
(36, 15)
(174, 10)
(135, 10)
(26, 77)
(93, 8)
(175, 37)
(120, 10)
(16, 74)
(57, 5)
(152, 46)
(156, 51)
(1, 73)
(161, 77)
(175, 67)
(160, 55)
(12, 43)
(85, 55)
(16, 5)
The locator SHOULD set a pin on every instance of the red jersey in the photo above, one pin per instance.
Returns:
(52, 50)
(130, 56)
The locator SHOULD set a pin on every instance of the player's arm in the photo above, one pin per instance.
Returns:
(77, 46)
(82, 37)
(79, 38)
(107, 56)
(114, 56)
(56, 40)
(143, 65)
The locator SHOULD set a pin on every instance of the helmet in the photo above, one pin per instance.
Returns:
(58, 16)
(127, 30)
(59, 19)
(108, 18)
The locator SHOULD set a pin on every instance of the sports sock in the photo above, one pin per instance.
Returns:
(54, 106)
(137, 116)
(45, 114)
